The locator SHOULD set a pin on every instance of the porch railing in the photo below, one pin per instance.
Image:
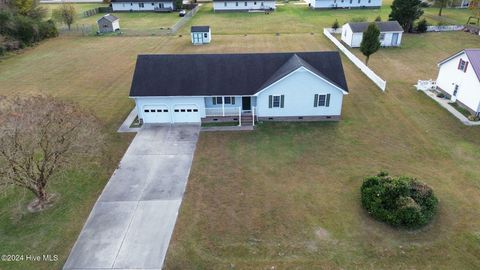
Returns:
(223, 111)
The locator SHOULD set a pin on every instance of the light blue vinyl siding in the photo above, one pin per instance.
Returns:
(299, 89)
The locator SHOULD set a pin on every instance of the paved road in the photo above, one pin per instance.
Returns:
(132, 222)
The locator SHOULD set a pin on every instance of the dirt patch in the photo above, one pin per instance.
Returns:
(322, 234)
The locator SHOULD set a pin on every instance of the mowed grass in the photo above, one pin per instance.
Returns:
(96, 73)
(286, 196)
(295, 18)
(131, 23)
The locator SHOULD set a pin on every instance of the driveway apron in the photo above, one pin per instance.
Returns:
(132, 222)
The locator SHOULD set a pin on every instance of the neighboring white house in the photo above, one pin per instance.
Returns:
(193, 88)
(459, 79)
(108, 23)
(325, 4)
(390, 33)
(201, 35)
(138, 5)
(233, 5)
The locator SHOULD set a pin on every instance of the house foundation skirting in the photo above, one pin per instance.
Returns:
(301, 118)
(213, 119)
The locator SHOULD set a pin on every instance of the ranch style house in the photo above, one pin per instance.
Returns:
(246, 5)
(390, 33)
(194, 88)
(459, 79)
(139, 5)
(329, 4)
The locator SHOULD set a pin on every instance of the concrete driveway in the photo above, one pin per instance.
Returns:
(131, 224)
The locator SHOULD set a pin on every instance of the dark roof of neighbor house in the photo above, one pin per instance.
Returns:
(138, 1)
(474, 57)
(227, 74)
(109, 18)
(388, 26)
(200, 28)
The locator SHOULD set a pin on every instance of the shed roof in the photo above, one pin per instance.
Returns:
(388, 26)
(109, 18)
(227, 74)
(200, 28)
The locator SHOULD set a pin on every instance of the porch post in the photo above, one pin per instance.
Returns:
(239, 116)
(223, 105)
(253, 116)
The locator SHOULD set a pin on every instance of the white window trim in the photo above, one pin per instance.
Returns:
(279, 101)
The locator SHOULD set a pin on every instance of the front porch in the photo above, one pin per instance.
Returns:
(239, 109)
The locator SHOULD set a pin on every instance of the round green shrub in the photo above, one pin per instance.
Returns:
(400, 202)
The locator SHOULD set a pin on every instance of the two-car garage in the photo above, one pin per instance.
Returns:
(170, 113)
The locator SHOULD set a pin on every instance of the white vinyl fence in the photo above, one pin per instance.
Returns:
(444, 28)
(381, 83)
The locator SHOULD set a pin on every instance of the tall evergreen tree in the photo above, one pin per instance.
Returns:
(370, 41)
(406, 12)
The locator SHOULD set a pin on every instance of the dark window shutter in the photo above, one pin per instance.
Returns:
(327, 104)
(233, 100)
(315, 100)
(270, 101)
(465, 68)
(459, 63)
(214, 100)
(282, 101)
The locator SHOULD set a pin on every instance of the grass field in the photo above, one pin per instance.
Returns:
(294, 18)
(285, 195)
(131, 23)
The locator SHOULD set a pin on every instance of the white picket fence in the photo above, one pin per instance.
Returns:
(444, 28)
(381, 83)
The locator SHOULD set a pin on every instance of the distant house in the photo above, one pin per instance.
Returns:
(139, 5)
(390, 33)
(201, 35)
(459, 79)
(325, 4)
(108, 23)
(247, 5)
(194, 88)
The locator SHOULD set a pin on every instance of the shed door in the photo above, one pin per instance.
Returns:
(186, 113)
(156, 114)
(394, 39)
(197, 38)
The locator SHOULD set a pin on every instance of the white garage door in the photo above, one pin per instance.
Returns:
(156, 114)
(185, 113)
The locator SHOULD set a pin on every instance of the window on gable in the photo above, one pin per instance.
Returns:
(462, 65)
(276, 102)
(321, 100)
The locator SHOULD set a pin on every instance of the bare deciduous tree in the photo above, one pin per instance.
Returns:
(40, 136)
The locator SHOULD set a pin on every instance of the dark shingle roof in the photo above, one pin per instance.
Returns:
(227, 74)
(200, 28)
(110, 18)
(389, 26)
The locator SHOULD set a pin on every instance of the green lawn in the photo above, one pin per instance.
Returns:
(79, 7)
(294, 18)
(285, 195)
(131, 23)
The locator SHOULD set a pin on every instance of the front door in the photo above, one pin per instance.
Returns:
(246, 103)
(394, 39)
(197, 38)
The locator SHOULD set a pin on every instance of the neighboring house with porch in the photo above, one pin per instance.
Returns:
(194, 88)
(233, 5)
(201, 35)
(108, 23)
(390, 33)
(459, 79)
(138, 5)
(327, 4)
